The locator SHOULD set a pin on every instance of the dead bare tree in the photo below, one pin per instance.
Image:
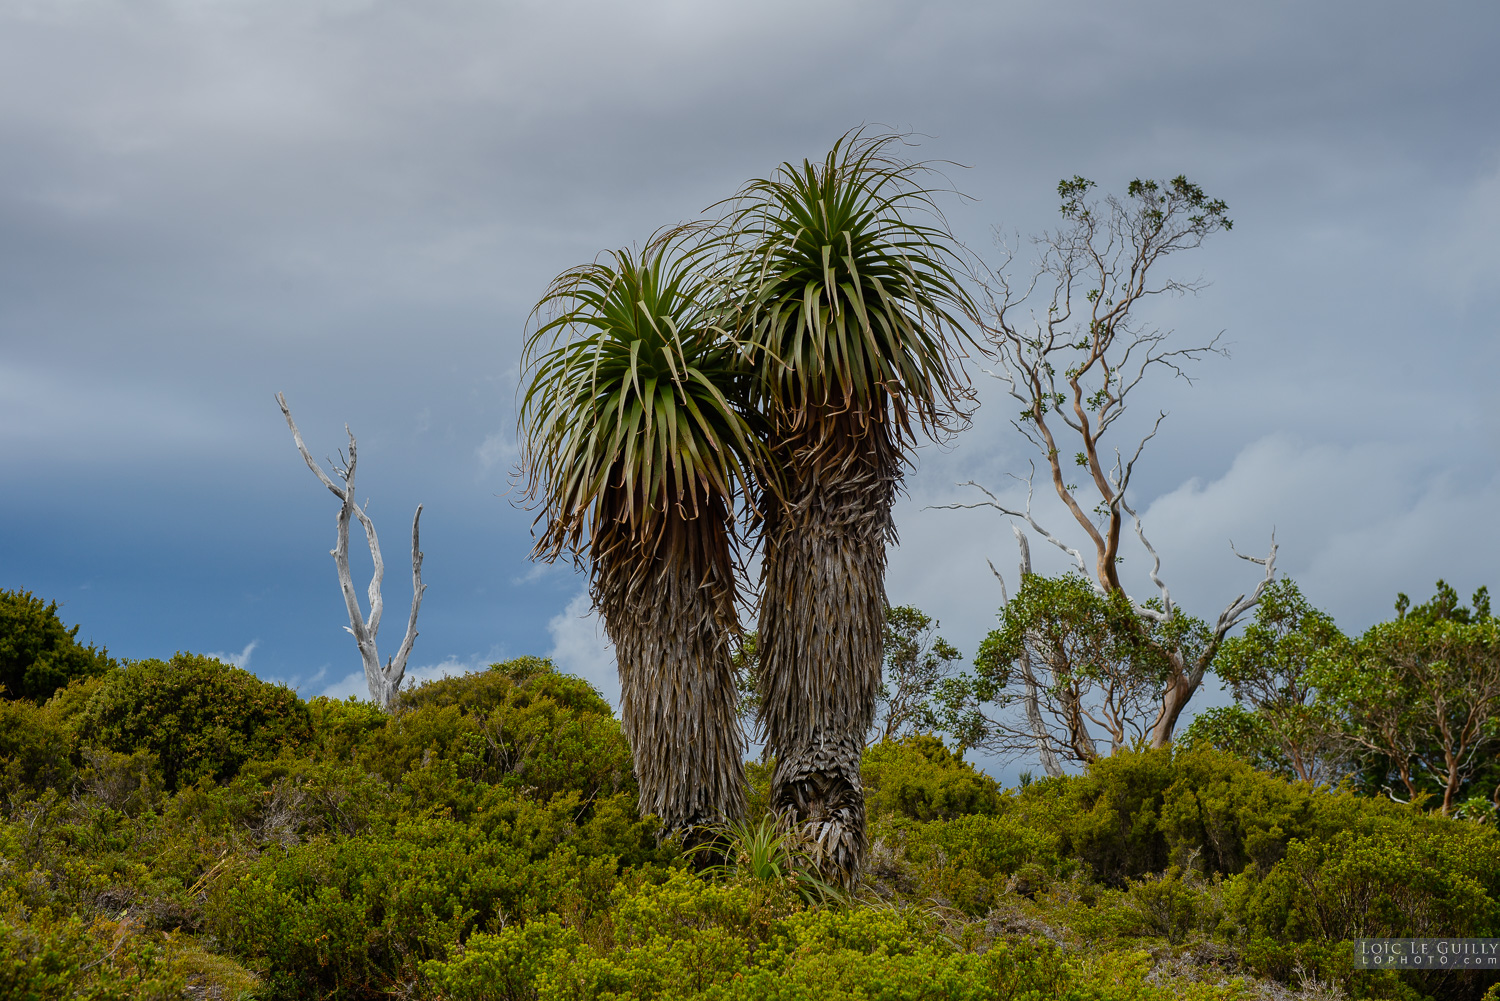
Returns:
(1036, 729)
(1074, 369)
(384, 680)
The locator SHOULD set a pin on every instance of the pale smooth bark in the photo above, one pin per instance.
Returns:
(1074, 359)
(1044, 751)
(383, 680)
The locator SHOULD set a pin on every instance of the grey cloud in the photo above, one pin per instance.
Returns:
(357, 202)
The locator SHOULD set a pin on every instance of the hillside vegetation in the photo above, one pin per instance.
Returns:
(182, 825)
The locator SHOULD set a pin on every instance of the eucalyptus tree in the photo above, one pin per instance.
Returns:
(849, 321)
(634, 444)
(1074, 349)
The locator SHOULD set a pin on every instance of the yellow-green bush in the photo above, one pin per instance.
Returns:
(520, 724)
(482, 841)
(689, 940)
(35, 752)
(47, 957)
(918, 777)
(972, 861)
(201, 718)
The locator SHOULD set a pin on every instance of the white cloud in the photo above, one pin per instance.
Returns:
(449, 667)
(579, 646)
(1355, 523)
(241, 659)
(538, 570)
(496, 448)
(350, 684)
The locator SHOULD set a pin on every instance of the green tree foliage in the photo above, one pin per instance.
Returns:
(1243, 733)
(201, 718)
(38, 654)
(1097, 666)
(1421, 694)
(917, 664)
(1281, 724)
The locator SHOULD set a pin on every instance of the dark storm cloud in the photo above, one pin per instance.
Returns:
(357, 203)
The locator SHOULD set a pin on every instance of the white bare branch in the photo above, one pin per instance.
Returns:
(994, 502)
(397, 667)
(1231, 615)
(1144, 611)
(1044, 750)
(1072, 348)
(383, 680)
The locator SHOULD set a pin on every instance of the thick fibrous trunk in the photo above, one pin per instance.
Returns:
(672, 634)
(821, 643)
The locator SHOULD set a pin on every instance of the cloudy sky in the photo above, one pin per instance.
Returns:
(204, 202)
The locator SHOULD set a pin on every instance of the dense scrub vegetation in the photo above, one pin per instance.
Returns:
(182, 823)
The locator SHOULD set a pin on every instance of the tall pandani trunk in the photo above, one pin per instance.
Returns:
(822, 621)
(669, 609)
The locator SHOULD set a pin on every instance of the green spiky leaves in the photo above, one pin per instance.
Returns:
(628, 415)
(850, 305)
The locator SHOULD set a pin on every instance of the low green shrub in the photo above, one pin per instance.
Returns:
(44, 957)
(972, 861)
(521, 725)
(482, 841)
(1139, 812)
(330, 916)
(340, 727)
(504, 966)
(201, 718)
(918, 777)
(1406, 880)
(690, 940)
(35, 751)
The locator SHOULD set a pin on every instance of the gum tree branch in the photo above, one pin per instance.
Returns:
(383, 680)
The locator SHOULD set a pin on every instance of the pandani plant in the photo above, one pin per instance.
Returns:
(850, 319)
(634, 443)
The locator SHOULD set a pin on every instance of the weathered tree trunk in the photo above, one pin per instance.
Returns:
(384, 680)
(1050, 764)
(1181, 685)
(822, 621)
(679, 704)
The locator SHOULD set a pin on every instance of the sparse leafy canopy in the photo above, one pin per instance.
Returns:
(917, 663)
(1270, 668)
(1421, 695)
(1099, 667)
